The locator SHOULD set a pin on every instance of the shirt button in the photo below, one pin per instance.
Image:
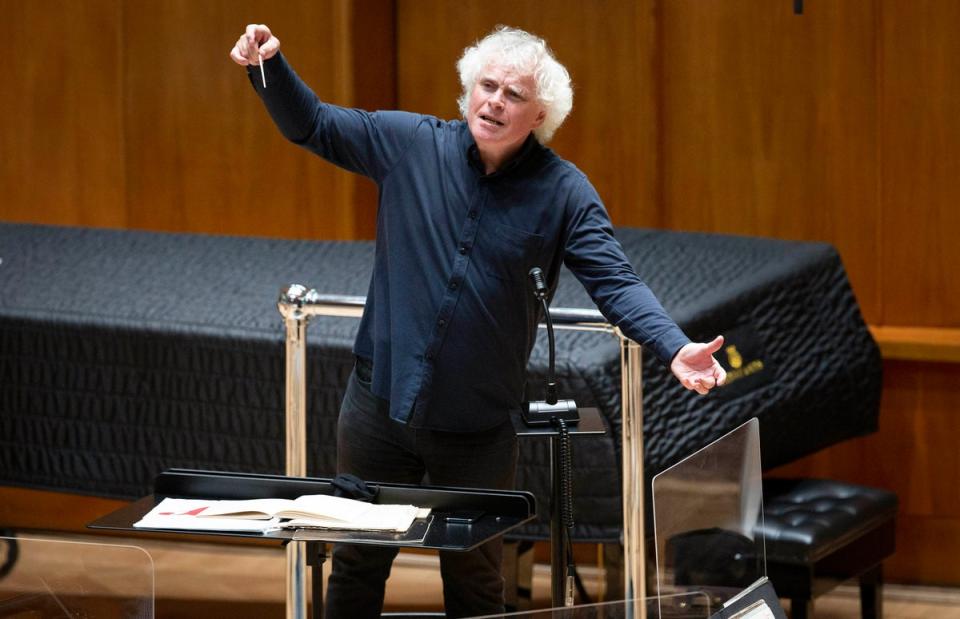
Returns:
(429, 356)
(472, 214)
(453, 285)
(441, 322)
(463, 249)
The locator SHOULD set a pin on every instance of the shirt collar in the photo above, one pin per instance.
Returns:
(530, 145)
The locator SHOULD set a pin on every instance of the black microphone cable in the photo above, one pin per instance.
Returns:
(566, 504)
(566, 512)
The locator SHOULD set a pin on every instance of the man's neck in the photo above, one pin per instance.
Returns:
(494, 159)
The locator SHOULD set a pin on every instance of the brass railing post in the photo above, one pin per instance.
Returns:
(634, 567)
(295, 321)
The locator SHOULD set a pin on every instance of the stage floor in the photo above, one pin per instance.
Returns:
(200, 580)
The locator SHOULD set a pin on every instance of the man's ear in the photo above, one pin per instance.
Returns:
(540, 118)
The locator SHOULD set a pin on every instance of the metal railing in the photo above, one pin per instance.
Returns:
(297, 305)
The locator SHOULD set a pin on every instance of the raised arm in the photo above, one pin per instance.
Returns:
(360, 141)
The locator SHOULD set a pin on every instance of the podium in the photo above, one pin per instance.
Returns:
(502, 511)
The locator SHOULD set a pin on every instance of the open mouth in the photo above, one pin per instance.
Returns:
(492, 121)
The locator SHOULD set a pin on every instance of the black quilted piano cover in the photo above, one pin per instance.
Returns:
(125, 353)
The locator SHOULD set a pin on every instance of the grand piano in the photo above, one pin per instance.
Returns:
(126, 353)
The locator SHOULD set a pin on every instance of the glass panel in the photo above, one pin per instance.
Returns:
(59, 578)
(708, 514)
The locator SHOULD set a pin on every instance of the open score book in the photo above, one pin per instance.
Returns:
(261, 515)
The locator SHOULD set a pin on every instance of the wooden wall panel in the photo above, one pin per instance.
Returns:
(769, 125)
(26, 509)
(130, 114)
(921, 163)
(202, 153)
(606, 46)
(61, 143)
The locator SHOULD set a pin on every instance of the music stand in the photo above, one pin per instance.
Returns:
(502, 511)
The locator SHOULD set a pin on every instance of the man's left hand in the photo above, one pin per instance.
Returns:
(695, 367)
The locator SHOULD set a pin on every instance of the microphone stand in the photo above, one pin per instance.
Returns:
(549, 410)
(558, 413)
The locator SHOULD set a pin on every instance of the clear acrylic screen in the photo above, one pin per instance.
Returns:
(58, 578)
(708, 515)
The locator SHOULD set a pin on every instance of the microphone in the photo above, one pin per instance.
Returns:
(550, 409)
(539, 285)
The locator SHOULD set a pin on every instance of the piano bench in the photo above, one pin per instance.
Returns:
(820, 533)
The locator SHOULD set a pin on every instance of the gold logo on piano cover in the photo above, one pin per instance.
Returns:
(733, 357)
(738, 369)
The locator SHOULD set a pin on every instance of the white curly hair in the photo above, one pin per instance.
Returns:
(526, 54)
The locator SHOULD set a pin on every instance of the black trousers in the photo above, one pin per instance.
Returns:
(374, 447)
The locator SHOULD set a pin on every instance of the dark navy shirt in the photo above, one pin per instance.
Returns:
(450, 317)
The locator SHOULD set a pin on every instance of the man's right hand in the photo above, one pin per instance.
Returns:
(256, 43)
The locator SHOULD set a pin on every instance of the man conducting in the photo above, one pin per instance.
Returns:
(467, 208)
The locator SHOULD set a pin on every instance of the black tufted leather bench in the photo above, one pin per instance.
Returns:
(820, 533)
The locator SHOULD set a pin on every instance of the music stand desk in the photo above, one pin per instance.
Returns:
(502, 511)
(590, 424)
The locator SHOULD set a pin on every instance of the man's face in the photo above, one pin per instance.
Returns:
(503, 110)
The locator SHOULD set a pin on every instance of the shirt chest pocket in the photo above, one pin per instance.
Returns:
(507, 253)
